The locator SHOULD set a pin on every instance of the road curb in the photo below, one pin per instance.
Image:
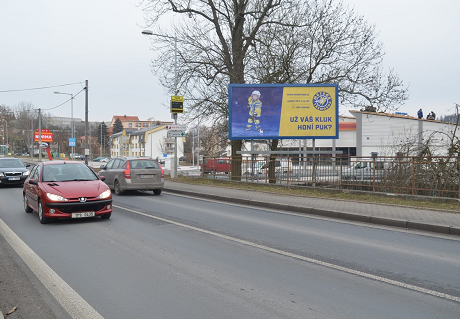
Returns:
(407, 224)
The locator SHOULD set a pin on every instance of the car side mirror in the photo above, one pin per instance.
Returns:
(33, 181)
(102, 167)
(102, 178)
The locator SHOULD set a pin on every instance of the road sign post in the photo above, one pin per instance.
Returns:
(177, 106)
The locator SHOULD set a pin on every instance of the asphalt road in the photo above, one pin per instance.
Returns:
(176, 257)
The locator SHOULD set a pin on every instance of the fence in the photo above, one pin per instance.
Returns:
(429, 176)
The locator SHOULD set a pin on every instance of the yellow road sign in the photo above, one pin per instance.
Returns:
(177, 104)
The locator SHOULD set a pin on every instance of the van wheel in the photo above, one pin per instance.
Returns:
(117, 188)
(157, 192)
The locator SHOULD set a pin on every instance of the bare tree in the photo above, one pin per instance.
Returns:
(268, 41)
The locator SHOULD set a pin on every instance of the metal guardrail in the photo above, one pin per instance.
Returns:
(428, 176)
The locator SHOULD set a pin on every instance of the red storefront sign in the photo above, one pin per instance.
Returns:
(47, 136)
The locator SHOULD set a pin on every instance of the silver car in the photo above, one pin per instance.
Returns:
(364, 170)
(133, 173)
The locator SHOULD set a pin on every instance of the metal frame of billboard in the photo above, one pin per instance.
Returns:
(283, 111)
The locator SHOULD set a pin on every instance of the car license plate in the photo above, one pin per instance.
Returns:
(14, 178)
(147, 176)
(83, 214)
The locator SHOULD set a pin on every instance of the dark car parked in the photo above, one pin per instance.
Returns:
(13, 171)
(131, 173)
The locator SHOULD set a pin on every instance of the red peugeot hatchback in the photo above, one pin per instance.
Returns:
(66, 189)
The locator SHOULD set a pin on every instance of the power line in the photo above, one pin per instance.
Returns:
(40, 88)
(65, 101)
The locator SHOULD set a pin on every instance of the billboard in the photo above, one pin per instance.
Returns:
(283, 111)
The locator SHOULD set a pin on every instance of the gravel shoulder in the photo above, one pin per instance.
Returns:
(21, 293)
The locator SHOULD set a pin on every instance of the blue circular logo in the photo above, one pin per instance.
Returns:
(322, 101)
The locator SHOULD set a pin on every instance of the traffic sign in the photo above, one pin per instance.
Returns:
(175, 134)
(176, 127)
(177, 104)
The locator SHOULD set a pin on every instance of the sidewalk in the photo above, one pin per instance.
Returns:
(396, 216)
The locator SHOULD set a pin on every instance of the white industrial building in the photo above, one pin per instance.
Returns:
(373, 132)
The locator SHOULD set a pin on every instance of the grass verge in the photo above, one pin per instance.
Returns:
(433, 203)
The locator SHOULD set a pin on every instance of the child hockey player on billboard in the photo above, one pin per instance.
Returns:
(255, 110)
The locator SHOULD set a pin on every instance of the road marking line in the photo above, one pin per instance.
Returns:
(431, 234)
(303, 258)
(70, 300)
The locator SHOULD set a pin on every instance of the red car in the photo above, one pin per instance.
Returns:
(66, 189)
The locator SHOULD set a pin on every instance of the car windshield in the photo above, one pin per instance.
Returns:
(144, 164)
(67, 172)
(11, 163)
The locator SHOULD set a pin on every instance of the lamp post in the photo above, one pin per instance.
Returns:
(72, 125)
(150, 33)
(3, 138)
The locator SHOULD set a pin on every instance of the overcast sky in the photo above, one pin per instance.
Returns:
(55, 42)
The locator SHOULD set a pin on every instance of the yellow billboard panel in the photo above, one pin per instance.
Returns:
(308, 111)
(280, 111)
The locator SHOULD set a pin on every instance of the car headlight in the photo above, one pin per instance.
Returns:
(1, 174)
(104, 194)
(26, 173)
(55, 197)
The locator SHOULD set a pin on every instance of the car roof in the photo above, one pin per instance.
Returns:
(47, 163)
(134, 158)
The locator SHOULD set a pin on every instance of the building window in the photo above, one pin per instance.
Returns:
(130, 125)
(138, 125)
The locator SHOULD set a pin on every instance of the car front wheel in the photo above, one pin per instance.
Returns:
(106, 216)
(26, 205)
(41, 217)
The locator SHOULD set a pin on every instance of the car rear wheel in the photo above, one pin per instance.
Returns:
(116, 187)
(157, 192)
(41, 217)
(26, 205)
(106, 216)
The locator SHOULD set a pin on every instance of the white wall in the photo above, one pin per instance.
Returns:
(383, 133)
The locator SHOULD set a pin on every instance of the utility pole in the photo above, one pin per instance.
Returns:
(101, 139)
(32, 140)
(39, 134)
(86, 123)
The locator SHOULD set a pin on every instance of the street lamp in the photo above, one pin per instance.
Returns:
(72, 125)
(150, 33)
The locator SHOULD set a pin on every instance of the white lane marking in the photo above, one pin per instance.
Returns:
(324, 218)
(303, 258)
(70, 300)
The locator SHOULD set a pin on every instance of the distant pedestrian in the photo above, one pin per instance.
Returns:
(420, 114)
